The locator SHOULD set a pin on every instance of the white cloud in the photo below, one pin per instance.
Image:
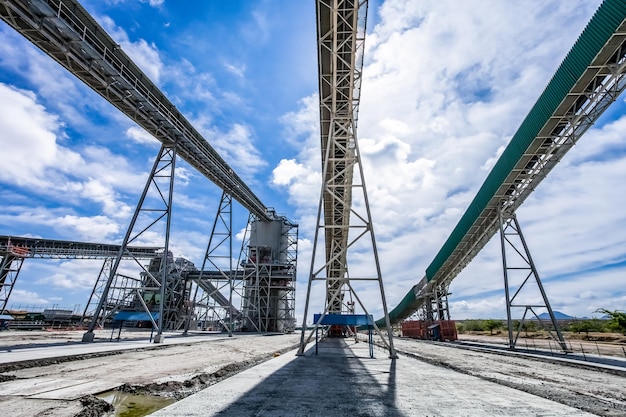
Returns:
(139, 135)
(35, 160)
(95, 228)
(235, 145)
(24, 298)
(445, 86)
(27, 151)
(183, 175)
(72, 275)
(238, 70)
(145, 55)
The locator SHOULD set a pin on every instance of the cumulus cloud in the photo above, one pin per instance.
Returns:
(36, 160)
(72, 275)
(32, 149)
(139, 135)
(24, 298)
(145, 55)
(235, 145)
(445, 86)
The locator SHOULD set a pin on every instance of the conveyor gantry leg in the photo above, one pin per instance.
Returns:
(10, 267)
(520, 273)
(153, 211)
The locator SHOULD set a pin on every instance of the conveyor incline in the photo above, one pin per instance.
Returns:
(65, 31)
(590, 78)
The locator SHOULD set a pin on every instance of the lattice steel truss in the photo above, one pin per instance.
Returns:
(14, 250)
(10, 266)
(522, 285)
(160, 280)
(341, 26)
(39, 248)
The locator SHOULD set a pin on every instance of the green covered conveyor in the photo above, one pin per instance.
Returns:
(589, 79)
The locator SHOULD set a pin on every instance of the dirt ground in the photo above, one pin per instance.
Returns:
(603, 344)
(172, 370)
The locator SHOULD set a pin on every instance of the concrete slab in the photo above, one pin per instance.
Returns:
(16, 354)
(55, 388)
(76, 391)
(343, 380)
(33, 386)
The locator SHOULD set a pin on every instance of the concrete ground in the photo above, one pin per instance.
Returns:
(24, 351)
(50, 373)
(343, 381)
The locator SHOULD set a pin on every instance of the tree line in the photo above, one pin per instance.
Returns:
(615, 322)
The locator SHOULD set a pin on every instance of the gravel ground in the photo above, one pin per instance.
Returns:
(596, 391)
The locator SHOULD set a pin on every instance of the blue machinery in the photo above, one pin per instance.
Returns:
(345, 321)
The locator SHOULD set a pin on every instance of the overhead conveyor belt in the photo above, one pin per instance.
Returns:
(341, 35)
(208, 287)
(32, 247)
(65, 31)
(589, 79)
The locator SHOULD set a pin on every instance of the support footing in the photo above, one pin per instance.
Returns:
(88, 337)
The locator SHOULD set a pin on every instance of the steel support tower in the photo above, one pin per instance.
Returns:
(522, 285)
(153, 214)
(343, 223)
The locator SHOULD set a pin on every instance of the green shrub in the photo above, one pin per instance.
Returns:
(474, 325)
(492, 325)
(618, 320)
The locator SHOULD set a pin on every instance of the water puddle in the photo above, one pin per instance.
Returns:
(132, 405)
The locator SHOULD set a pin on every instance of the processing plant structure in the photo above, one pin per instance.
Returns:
(258, 294)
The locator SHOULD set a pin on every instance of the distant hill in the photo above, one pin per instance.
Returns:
(557, 315)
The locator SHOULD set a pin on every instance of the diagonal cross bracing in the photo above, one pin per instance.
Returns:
(65, 31)
(341, 35)
(340, 48)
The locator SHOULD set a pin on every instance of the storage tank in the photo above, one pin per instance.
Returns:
(269, 293)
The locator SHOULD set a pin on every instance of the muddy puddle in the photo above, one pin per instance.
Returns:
(133, 405)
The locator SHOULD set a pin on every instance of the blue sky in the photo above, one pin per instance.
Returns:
(445, 87)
